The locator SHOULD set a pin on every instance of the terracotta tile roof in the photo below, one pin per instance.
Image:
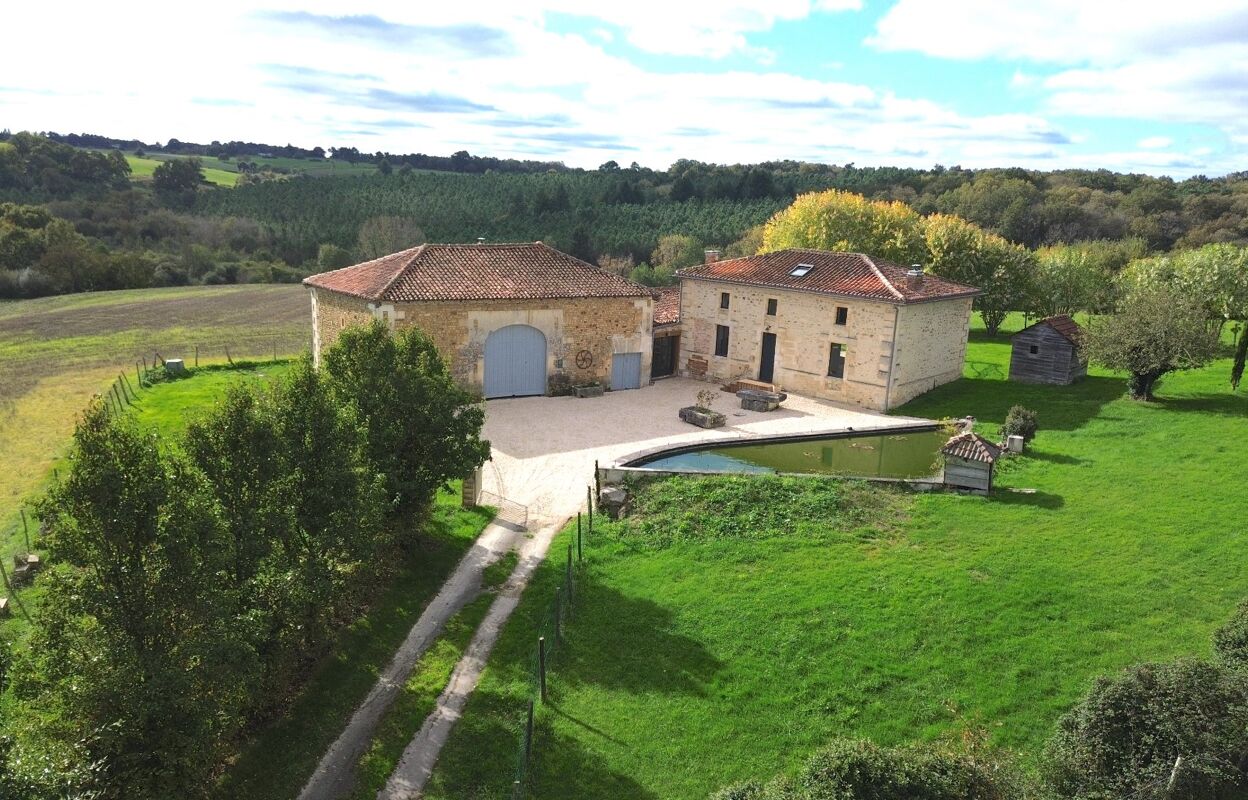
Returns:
(667, 305)
(847, 274)
(972, 446)
(475, 272)
(1063, 324)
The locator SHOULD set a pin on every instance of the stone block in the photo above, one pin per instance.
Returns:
(702, 417)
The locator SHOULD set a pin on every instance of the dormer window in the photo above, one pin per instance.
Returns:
(801, 270)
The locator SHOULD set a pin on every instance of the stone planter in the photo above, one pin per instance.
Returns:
(702, 417)
(589, 391)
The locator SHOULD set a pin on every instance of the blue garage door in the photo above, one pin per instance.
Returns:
(626, 371)
(515, 362)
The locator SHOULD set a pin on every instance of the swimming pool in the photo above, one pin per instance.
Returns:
(901, 454)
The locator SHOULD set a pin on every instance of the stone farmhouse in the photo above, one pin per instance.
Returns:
(839, 326)
(525, 319)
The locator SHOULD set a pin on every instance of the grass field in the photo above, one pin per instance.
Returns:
(141, 169)
(56, 352)
(702, 662)
(225, 173)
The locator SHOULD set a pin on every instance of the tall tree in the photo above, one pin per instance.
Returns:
(836, 220)
(422, 429)
(675, 251)
(1156, 331)
(962, 251)
(381, 236)
(1216, 275)
(139, 649)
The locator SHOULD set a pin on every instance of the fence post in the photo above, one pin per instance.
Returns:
(558, 612)
(528, 733)
(515, 790)
(541, 665)
(589, 496)
(12, 592)
(571, 602)
(25, 529)
(579, 555)
(138, 376)
(197, 355)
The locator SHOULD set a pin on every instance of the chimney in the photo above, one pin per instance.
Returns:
(710, 256)
(914, 276)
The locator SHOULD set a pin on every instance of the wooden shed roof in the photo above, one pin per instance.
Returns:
(972, 447)
(1063, 324)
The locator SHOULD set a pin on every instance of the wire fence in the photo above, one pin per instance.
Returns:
(551, 643)
(125, 391)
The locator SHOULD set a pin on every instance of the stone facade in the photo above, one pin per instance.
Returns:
(599, 326)
(930, 341)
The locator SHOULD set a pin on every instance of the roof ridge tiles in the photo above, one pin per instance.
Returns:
(419, 251)
(883, 278)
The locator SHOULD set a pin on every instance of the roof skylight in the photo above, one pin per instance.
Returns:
(800, 270)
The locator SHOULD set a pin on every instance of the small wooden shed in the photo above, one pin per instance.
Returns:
(1048, 352)
(969, 462)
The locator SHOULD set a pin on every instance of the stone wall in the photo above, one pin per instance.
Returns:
(600, 326)
(331, 312)
(931, 347)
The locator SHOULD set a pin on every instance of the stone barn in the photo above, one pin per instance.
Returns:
(1048, 352)
(509, 319)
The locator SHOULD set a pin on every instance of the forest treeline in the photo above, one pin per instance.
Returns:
(93, 228)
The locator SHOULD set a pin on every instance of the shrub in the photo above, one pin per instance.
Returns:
(1123, 738)
(1020, 422)
(1230, 642)
(862, 770)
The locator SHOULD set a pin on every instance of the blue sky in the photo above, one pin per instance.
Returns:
(1048, 83)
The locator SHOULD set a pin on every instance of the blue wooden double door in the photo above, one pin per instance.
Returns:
(515, 362)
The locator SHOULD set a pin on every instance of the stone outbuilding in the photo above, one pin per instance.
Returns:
(1048, 352)
(970, 460)
(510, 319)
(840, 326)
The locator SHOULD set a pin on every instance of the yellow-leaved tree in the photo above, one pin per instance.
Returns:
(837, 220)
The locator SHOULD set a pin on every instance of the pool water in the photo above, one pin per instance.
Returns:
(909, 454)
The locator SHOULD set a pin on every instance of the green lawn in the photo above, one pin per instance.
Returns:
(699, 662)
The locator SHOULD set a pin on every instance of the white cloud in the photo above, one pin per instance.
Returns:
(1058, 31)
(495, 81)
(1155, 142)
(704, 28)
(1162, 62)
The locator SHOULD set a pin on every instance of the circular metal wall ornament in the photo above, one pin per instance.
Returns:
(584, 359)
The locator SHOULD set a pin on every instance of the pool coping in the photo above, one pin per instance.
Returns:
(627, 466)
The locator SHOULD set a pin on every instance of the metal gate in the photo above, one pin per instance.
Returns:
(626, 371)
(515, 362)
